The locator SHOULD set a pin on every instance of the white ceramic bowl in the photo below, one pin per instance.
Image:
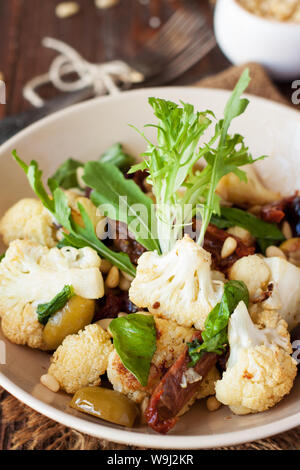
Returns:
(245, 37)
(84, 132)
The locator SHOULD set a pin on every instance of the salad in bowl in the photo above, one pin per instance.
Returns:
(159, 283)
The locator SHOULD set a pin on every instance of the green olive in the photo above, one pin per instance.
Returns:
(75, 315)
(106, 404)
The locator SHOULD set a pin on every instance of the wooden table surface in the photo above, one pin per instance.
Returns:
(98, 35)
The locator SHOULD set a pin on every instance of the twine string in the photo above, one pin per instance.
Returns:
(103, 78)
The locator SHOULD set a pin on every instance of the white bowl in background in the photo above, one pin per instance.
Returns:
(246, 37)
(84, 132)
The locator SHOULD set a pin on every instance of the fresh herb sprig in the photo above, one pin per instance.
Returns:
(214, 335)
(74, 235)
(169, 163)
(47, 310)
(225, 154)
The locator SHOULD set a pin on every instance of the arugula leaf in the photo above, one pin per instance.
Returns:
(227, 157)
(134, 208)
(134, 338)
(45, 311)
(266, 234)
(66, 174)
(77, 236)
(214, 335)
(170, 162)
(116, 156)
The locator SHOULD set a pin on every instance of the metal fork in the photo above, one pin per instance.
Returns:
(181, 42)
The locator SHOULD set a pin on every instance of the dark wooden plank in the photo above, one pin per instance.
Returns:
(98, 35)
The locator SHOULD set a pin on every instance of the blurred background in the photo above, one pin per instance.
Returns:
(100, 31)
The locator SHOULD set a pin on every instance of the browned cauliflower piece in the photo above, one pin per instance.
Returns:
(81, 359)
(171, 342)
(32, 274)
(252, 193)
(260, 370)
(28, 219)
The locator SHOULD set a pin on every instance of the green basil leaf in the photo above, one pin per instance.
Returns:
(214, 335)
(134, 338)
(45, 311)
(134, 208)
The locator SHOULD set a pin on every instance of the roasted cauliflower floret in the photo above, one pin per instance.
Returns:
(280, 275)
(22, 327)
(254, 272)
(31, 274)
(285, 296)
(252, 193)
(81, 359)
(260, 370)
(178, 285)
(171, 342)
(28, 219)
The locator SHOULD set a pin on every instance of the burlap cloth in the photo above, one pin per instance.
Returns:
(23, 428)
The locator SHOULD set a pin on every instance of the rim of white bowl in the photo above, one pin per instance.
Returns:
(273, 21)
(127, 436)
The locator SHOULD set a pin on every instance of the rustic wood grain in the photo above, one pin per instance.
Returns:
(98, 36)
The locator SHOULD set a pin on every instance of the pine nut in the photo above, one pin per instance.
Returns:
(79, 174)
(286, 230)
(124, 284)
(241, 233)
(255, 210)
(101, 229)
(106, 3)
(212, 404)
(274, 251)
(113, 278)
(50, 382)
(122, 314)
(127, 276)
(67, 9)
(104, 323)
(229, 247)
(105, 266)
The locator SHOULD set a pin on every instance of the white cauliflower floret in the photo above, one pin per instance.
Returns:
(31, 274)
(232, 189)
(171, 342)
(254, 272)
(285, 296)
(260, 371)
(178, 285)
(21, 326)
(258, 273)
(81, 359)
(28, 219)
